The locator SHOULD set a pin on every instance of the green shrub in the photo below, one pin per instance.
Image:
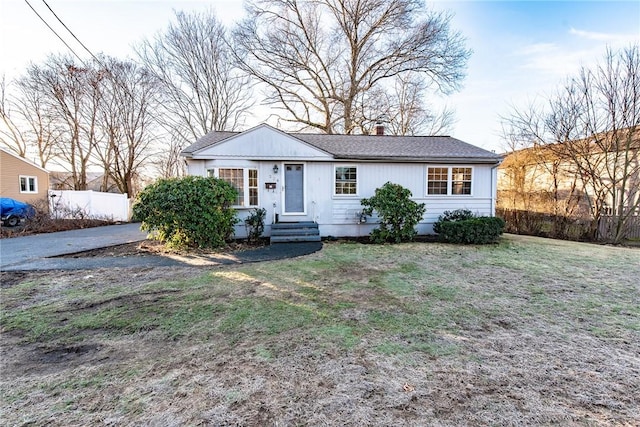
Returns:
(188, 212)
(398, 214)
(475, 230)
(457, 215)
(254, 224)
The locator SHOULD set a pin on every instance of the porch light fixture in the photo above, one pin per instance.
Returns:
(275, 169)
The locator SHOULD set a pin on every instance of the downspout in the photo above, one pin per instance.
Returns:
(494, 187)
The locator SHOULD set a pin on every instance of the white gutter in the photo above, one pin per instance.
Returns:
(494, 188)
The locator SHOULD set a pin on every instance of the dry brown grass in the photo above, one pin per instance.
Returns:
(528, 332)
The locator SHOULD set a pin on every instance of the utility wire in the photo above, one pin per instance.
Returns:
(127, 91)
(54, 32)
(95, 58)
(70, 32)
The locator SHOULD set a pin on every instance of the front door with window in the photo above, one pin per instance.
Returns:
(293, 188)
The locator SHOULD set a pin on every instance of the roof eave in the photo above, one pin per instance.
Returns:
(406, 159)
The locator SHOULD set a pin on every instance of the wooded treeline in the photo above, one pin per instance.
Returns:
(334, 66)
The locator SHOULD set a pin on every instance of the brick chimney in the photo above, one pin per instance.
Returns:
(379, 128)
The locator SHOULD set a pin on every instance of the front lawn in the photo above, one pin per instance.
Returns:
(528, 332)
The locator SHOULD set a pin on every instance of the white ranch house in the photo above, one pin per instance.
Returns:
(319, 178)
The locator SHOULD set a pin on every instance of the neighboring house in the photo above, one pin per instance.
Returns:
(537, 180)
(574, 179)
(21, 179)
(95, 181)
(299, 177)
(593, 181)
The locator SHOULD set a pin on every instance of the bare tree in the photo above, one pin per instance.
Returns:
(402, 109)
(534, 180)
(324, 60)
(519, 172)
(43, 131)
(203, 90)
(71, 93)
(129, 99)
(100, 112)
(170, 164)
(592, 126)
(11, 134)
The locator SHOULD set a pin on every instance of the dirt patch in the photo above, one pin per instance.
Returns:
(8, 279)
(18, 358)
(65, 354)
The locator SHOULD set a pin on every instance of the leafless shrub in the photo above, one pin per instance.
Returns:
(46, 221)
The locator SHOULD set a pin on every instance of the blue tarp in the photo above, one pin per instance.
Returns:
(10, 207)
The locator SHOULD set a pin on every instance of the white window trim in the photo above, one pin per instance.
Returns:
(304, 188)
(449, 181)
(335, 166)
(245, 180)
(27, 178)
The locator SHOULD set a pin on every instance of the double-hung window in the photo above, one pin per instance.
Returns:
(444, 180)
(438, 181)
(346, 180)
(28, 184)
(460, 180)
(244, 180)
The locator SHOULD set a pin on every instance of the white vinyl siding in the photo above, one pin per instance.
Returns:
(339, 214)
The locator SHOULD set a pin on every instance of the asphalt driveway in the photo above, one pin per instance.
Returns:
(29, 250)
(39, 252)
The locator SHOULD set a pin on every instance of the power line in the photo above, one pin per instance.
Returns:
(70, 32)
(127, 91)
(54, 32)
(95, 58)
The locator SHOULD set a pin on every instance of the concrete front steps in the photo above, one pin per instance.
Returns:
(286, 232)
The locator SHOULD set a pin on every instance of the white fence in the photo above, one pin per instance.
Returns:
(92, 204)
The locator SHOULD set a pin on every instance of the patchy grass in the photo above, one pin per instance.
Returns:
(527, 332)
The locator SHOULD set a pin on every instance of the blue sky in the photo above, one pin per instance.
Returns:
(521, 50)
(524, 50)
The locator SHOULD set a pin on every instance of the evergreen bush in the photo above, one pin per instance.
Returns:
(457, 215)
(188, 212)
(459, 228)
(398, 214)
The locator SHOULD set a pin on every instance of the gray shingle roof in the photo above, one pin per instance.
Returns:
(387, 147)
(207, 140)
(378, 147)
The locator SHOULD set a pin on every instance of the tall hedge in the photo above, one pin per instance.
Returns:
(188, 212)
